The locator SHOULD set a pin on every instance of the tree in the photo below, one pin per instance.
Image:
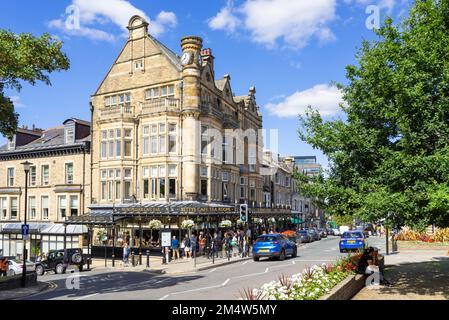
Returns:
(389, 158)
(27, 58)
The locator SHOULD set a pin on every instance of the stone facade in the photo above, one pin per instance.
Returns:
(58, 180)
(159, 126)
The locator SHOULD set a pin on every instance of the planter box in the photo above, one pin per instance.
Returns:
(14, 282)
(346, 289)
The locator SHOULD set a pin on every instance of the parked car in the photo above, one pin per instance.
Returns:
(336, 232)
(352, 240)
(58, 262)
(15, 266)
(314, 234)
(323, 233)
(304, 236)
(274, 246)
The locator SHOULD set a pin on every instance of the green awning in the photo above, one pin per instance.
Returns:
(296, 220)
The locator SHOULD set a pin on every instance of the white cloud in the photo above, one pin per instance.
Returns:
(269, 21)
(225, 19)
(92, 14)
(325, 98)
(17, 102)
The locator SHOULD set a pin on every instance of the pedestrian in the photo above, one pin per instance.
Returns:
(188, 246)
(202, 243)
(175, 248)
(183, 247)
(126, 251)
(3, 267)
(193, 245)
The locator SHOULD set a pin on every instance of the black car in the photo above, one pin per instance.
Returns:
(58, 262)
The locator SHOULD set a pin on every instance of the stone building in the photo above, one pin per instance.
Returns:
(58, 186)
(155, 121)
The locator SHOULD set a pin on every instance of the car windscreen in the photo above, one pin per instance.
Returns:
(267, 239)
(352, 235)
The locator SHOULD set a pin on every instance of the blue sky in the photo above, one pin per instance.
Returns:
(289, 49)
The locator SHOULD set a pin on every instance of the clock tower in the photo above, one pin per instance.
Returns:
(191, 103)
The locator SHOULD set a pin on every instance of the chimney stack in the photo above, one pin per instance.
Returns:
(206, 55)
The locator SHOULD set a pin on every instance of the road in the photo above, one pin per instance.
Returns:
(222, 283)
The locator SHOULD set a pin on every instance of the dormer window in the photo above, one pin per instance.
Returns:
(69, 133)
(12, 143)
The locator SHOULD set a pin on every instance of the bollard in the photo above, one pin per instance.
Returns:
(132, 259)
(148, 258)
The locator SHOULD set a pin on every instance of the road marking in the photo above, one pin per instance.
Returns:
(164, 297)
(293, 261)
(246, 262)
(249, 275)
(266, 270)
(214, 269)
(81, 298)
(226, 282)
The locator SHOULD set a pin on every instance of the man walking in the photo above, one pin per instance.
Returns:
(175, 248)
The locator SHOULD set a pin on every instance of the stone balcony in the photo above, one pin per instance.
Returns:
(117, 112)
(163, 105)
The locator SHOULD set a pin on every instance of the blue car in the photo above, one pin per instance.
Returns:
(274, 246)
(352, 240)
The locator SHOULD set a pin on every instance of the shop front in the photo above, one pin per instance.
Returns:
(43, 238)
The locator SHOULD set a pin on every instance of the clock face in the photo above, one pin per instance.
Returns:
(186, 58)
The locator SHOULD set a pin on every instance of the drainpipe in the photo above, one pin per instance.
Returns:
(181, 189)
(90, 147)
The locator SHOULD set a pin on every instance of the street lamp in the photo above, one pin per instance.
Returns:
(26, 168)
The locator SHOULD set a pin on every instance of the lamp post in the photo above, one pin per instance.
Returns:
(26, 168)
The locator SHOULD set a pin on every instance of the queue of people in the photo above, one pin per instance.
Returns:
(211, 244)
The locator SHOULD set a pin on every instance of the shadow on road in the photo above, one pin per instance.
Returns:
(114, 282)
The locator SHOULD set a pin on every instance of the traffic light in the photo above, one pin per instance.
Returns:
(244, 213)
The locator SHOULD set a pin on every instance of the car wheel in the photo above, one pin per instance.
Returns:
(342, 251)
(295, 252)
(59, 269)
(255, 258)
(40, 270)
(77, 258)
(11, 273)
(282, 255)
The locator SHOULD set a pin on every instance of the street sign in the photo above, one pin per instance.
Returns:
(166, 238)
(25, 231)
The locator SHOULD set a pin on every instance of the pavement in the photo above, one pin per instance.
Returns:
(219, 282)
(179, 266)
(21, 293)
(415, 275)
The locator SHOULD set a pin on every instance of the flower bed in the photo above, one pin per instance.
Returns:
(311, 284)
(441, 235)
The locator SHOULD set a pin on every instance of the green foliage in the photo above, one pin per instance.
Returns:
(389, 157)
(25, 57)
